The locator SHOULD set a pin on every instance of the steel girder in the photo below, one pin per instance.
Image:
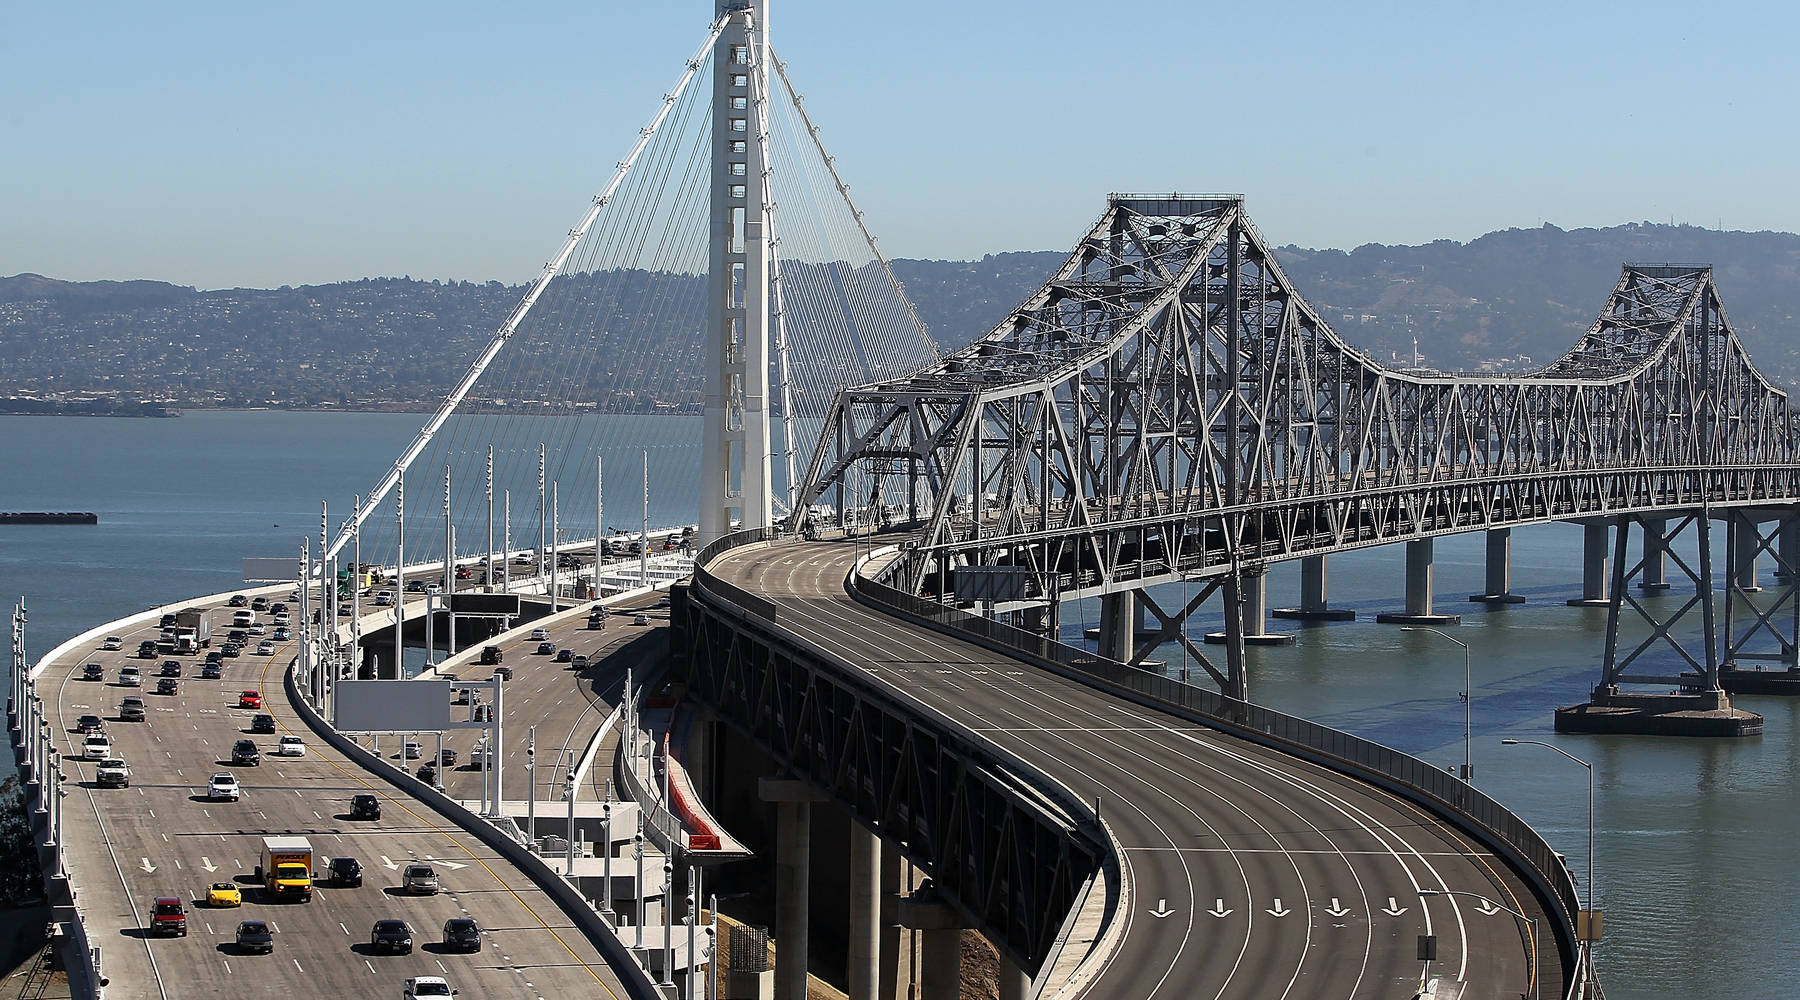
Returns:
(1013, 864)
(1168, 403)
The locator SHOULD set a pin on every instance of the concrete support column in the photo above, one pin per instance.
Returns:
(1654, 576)
(1420, 579)
(1314, 587)
(1499, 570)
(1743, 554)
(1118, 626)
(1014, 983)
(864, 967)
(1787, 546)
(890, 864)
(1253, 585)
(1596, 554)
(793, 882)
(941, 927)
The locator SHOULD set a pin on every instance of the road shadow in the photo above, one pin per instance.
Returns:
(366, 949)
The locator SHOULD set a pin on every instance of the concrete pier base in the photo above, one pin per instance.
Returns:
(1255, 588)
(1499, 570)
(1419, 579)
(1738, 680)
(1313, 606)
(1614, 713)
(1596, 555)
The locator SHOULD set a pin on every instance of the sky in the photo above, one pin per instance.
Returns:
(257, 145)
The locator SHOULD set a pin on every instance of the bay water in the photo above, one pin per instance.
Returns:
(1696, 856)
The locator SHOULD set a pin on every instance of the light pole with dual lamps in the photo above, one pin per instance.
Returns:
(1537, 982)
(1468, 771)
(1588, 935)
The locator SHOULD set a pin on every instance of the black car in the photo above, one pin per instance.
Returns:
(278, 608)
(238, 601)
(597, 620)
(564, 655)
(168, 619)
(345, 872)
(490, 655)
(447, 757)
(171, 668)
(93, 672)
(566, 561)
(90, 724)
(427, 772)
(168, 685)
(245, 752)
(232, 649)
(391, 936)
(259, 604)
(365, 807)
(255, 936)
(210, 671)
(462, 934)
(147, 649)
(215, 655)
(238, 635)
(546, 648)
(262, 723)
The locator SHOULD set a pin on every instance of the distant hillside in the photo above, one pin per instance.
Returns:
(1519, 292)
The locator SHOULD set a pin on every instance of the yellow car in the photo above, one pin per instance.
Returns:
(223, 894)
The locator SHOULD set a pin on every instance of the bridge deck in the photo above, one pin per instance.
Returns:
(1250, 873)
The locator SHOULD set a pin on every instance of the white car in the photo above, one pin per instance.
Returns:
(97, 747)
(256, 628)
(423, 987)
(265, 648)
(290, 746)
(384, 599)
(478, 753)
(434, 588)
(413, 750)
(539, 634)
(222, 786)
(113, 642)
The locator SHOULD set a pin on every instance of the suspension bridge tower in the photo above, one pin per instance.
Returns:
(735, 449)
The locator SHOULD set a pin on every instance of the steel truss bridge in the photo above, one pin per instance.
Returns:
(1168, 406)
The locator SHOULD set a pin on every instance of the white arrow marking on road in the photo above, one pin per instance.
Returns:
(447, 864)
(391, 866)
(206, 863)
(1336, 909)
(1279, 910)
(148, 867)
(1487, 908)
(1393, 910)
(1162, 907)
(1219, 909)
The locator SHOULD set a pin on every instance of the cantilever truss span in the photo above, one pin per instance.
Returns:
(1167, 404)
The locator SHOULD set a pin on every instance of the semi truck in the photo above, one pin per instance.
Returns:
(193, 630)
(286, 869)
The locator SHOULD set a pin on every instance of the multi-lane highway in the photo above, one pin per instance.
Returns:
(1251, 874)
(163, 836)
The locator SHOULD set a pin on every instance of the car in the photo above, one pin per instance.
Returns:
(223, 788)
(255, 936)
(210, 671)
(93, 672)
(539, 634)
(167, 619)
(113, 642)
(384, 599)
(256, 628)
(244, 752)
(427, 772)
(434, 588)
(113, 772)
(426, 988)
(131, 709)
(90, 724)
(462, 934)
(345, 871)
(259, 604)
(238, 601)
(242, 617)
(420, 880)
(415, 586)
(168, 918)
(564, 655)
(170, 668)
(565, 560)
(265, 648)
(232, 650)
(215, 655)
(262, 722)
(279, 607)
(391, 936)
(279, 620)
(168, 685)
(224, 895)
(579, 661)
(249, 699)
(478, 754)
(464, 572)
(522, 559)
(491, 655)
(281, 634)
(96, 747)
(447, 757)
(503, 673)
(290, 746)
(546, 648)
(131, 677)
(238, 636)
(597, 620)
(147, 649)
(413, 749)
(365, 806)
(640, 619)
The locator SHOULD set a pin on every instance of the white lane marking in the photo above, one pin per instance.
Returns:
(227, 966)
(297, 966)
(177, 862)
(316, 815)
(207, 865)
(1337, 909)
(371, 967)
(209, 929)
(346, 929)
(152, 814)
(394, 867)
(1392, 909)
(1278, 910)
(1162, 909)
(148, 867)
(1487, 908)
(441, 966)
(1219, 909)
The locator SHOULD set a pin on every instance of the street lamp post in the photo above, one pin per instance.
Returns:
(1590, 817)
(1537, 981)
(1468, 771)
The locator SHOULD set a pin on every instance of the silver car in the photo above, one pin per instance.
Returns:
(420, 880)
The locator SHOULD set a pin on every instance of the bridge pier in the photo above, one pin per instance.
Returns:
(1499, 570)
(1313, 606)
(863, 968)
(1118, 626)
(1744, 537)
(793, 881)
(1787, 547)
(1419, 578)
(1656, 550)
(941, 927)
(1594, 555)
(1253, 582)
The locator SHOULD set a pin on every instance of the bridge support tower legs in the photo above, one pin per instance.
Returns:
(1313, 606)
(1744, 537)
(864, 966)
(1594, 574)
(793, 881)
(1499, 570)
(1760, 632)
(1419, 577)
(1655, 574)
(1787, 548)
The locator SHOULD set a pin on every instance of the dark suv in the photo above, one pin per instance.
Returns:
(392, 936)
(490, 655)
(365, 807)
(345, 872)
(462, 934)
(245, 752)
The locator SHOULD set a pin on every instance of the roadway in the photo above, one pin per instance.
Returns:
(163, 837)
(1250, 873)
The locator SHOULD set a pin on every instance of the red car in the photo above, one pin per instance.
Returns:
(168, 917)
(250, 699)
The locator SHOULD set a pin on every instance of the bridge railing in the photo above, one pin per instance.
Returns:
(1403, 772)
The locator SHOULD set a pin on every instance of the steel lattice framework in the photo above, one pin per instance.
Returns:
(1168, 404)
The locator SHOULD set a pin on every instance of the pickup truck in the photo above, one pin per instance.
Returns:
(113, 772)
(286, 869)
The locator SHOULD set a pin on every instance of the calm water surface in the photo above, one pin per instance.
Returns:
(1696, 855)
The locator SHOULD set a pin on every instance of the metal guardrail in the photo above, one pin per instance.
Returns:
(1417, 778)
